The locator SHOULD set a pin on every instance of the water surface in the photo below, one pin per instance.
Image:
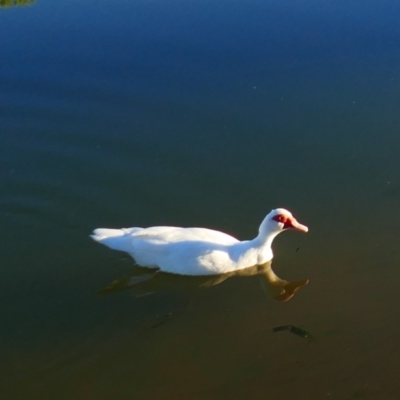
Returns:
(141, 113)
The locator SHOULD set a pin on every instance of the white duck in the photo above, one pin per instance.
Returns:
(197, 251)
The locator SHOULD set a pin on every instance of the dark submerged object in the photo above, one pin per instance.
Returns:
(294, 329)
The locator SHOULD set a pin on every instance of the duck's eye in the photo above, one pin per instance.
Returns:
(280, 218)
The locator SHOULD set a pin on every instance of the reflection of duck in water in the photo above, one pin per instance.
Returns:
(143, 281)
(198, 251)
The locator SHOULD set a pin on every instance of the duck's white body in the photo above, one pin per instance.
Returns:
(197, 251)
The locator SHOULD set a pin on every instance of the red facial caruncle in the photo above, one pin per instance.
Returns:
(289, 222)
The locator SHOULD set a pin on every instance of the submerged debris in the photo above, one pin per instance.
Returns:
(296, 330)
(163, 321)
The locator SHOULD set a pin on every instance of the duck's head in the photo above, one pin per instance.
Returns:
(279, 220)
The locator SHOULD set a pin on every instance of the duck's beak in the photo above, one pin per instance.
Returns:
(293, 224)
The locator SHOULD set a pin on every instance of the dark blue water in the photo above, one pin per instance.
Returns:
(141, 113)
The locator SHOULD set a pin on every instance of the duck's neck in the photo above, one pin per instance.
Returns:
(262, 244)
(265, 239)
(266, 233)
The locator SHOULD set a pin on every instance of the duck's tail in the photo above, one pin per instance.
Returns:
(116, 239)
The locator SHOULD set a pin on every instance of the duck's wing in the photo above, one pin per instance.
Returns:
(172, 234)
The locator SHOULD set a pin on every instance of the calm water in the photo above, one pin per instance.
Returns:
(140, 113)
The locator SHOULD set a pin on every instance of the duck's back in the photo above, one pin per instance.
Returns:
(174, 234)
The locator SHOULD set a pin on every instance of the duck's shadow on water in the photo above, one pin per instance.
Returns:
(145, 281)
